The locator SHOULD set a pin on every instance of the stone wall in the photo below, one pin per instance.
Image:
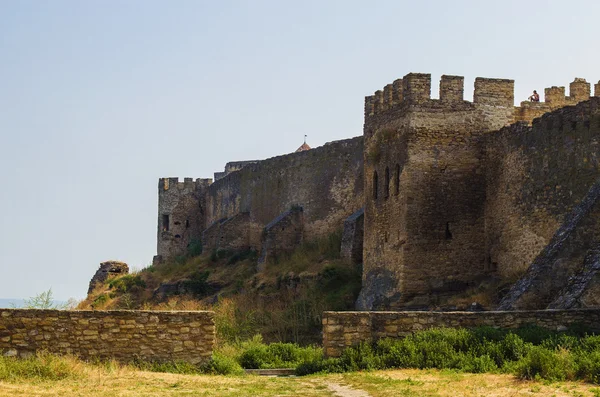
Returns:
(440, 179)
(555, 98)
(352, 237)
(282, 235)
(344, 329)
(122, 335)
(536, 178)
(237, 233)
(326, 182)
(425, 190)
(181, 214)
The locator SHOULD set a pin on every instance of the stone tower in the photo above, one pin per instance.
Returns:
(181, 219)
(425, 189)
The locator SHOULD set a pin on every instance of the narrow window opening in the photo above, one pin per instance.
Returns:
(397, 180)
(448, 232)
(177, 236)
(375, 183)
(187, 223)
(387, 182)
(165, 223)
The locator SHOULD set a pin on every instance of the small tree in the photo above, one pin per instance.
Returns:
(45, 300)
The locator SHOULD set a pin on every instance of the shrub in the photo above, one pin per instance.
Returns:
(249, 254)
(197, 284)
(533, 334)
(255, 357)
(221, 364)
(360, 357)
(127, 283)
(546, 364)
(479, 364)
(194, 248)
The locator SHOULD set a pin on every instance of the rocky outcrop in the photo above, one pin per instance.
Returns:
(107, 270)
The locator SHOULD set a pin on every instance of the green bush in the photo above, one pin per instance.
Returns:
(197, 284)
(541, 363)
(221, 364)
(127, 283)
(513, 347)
(255, 357)
(588, 366)
(256, 354)
(249, 254)
(194, 248)
(479, 364)
(542, 355)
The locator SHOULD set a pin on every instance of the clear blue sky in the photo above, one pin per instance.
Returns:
(98, 99)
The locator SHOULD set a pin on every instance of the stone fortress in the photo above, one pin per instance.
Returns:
(436, 197)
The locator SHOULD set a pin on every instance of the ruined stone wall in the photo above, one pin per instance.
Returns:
(535, 178)
(352, 237)
(237, 233)
(231, 167)
(327, 182)
(344, 329)
(122, 335)
(425, 189)
(181, 214)
(282, 235)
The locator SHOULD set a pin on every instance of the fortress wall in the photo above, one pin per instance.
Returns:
(122, 335)
(535, 177)
(423, 228)
(181, 216)
(327, 182)
(554, 98)
(282, 235)
(237, 233)
(345, 329)
(444, 184)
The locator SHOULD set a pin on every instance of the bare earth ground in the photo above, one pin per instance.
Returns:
(130, 383)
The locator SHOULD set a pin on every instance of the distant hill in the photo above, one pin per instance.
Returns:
(10, 303)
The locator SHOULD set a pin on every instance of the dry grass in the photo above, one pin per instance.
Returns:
(130, 383)
(435, 383)
(115, 380)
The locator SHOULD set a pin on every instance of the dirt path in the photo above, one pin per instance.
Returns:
(345, 391)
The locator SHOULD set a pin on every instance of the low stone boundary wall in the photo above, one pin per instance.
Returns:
(122, 335)
(343, 329)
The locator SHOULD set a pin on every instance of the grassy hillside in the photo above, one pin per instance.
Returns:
(282, 303)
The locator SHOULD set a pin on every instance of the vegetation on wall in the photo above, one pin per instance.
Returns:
(283, 304)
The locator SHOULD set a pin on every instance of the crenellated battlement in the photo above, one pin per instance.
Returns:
(452, 88)
(187, 184)
(415, 89)
(494, 92)
(555, 98)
